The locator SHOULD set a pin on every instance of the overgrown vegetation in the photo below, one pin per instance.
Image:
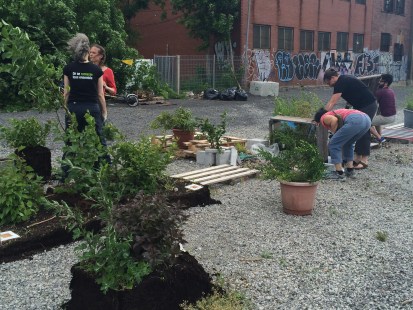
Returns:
(21, 191)
(181, 118)
(25, 133)
(304, 105)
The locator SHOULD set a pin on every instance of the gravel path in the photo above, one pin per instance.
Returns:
(330, 260)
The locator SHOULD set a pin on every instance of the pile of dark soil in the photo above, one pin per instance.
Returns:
(46, 230)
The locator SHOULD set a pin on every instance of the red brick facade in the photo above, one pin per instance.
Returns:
(367, 20)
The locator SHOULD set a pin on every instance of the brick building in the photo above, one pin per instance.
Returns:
(294, 41)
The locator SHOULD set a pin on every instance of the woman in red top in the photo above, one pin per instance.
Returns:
(341, 145)
(97, 55)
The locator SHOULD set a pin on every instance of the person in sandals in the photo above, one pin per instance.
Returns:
(357, 94)
(347, 127)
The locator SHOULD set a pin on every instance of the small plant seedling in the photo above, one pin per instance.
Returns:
(381, 236)
(266, 255)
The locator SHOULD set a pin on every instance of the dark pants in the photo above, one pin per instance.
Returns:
(80, 109)
(363, 144)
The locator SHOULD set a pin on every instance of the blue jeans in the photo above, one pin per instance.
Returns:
(341, 146)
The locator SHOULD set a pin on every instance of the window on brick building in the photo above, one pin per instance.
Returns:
(399, 7)
(388, 6)
(324, 41)
(342, 41)
(361, 1)
(262, 36)
(398, 52)
(385, 42)
(285, 38)
(306, 40)
(358, 42)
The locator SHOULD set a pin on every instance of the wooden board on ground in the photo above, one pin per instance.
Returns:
(216, 174)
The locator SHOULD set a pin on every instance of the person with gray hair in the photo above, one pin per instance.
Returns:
(83, 86)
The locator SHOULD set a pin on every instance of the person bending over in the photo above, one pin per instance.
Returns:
(356, 93)
(354, 124)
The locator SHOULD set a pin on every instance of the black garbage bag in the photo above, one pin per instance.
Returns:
(228, 94)
(241, 95)
(211, 94)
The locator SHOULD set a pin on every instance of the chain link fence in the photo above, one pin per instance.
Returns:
(197, 73)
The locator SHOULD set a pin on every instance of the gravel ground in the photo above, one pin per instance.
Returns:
(330, 260)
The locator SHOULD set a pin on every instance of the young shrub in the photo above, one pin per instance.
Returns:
(181, 119)
(25, 133)
(82, 155)
(155, 227)
(303, 163)
(212, 132)
(21, 191)
(135, 166)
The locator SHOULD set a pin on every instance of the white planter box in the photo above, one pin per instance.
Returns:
(264, 89)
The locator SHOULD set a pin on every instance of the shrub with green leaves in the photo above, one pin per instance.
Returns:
(181, 118)
(83, 153)
(303, 163)
(304, 105)
(25, 133)
(135, 166)
(21, 191)
(213, 132)
(155, 226)
(27, 80)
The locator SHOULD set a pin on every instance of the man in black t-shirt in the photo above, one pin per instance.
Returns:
(356, 93)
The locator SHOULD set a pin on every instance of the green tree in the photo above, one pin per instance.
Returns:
(206, 19)
(26, 80)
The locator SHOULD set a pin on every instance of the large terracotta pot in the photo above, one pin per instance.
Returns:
(183, 136)
(298, 198)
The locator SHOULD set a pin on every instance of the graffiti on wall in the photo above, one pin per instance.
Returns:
(285, 67)
(263, 61)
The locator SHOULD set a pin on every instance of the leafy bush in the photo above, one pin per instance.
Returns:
(25, 133)
(155, 226)
(409, 102)
(27, 80)
(287, 137)
(181, 118)
(135, 166)
(213, 132)
(82, 154)
(21, 191)
(303, 163)
(305, 105)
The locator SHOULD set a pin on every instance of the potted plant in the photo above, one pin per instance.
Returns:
(181, 122)
(213, 133)
(298, 169)
(28, 137)
(408, 113)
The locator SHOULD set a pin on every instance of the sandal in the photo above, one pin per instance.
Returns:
(363, 165)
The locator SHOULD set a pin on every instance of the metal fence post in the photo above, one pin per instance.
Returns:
(213, 73)
(178, 74)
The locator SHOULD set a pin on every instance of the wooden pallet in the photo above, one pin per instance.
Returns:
(216, 174)
(398, 131)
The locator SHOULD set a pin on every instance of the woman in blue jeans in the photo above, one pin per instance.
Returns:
(341, 146)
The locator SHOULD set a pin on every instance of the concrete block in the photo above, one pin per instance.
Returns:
(264, 89)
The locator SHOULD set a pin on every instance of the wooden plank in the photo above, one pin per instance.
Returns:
(401, 125)
(198, 175)
(292, 119)
(214, 176)
(239, 175)
(197, 171)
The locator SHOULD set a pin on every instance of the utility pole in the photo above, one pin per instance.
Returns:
(410, 55)
(246, 44)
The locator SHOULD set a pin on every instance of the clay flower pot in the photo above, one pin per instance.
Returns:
(298, 198)
(183, 136)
